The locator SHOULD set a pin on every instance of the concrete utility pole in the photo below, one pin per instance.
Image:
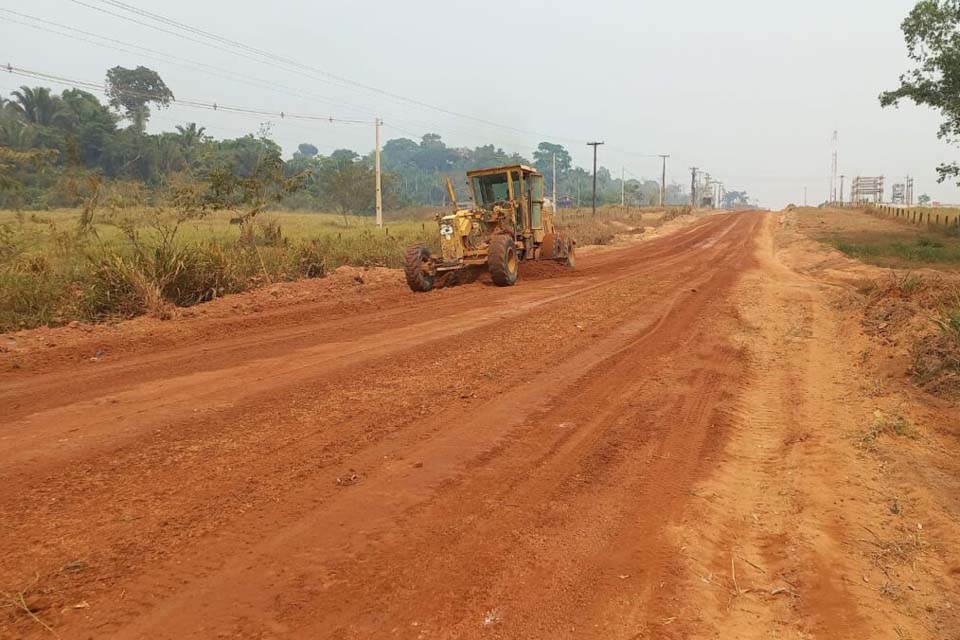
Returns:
(376, 164)
(693, 186)
(841, 189)
(594, 145)
(663, 180)
(556, 206)
(623, 191)
(804, 196)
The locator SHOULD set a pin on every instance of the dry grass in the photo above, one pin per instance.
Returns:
(887, 425)
(136, 263)
(882, 241)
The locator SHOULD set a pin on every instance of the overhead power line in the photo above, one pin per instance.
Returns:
(216, 41)
(272, 60)
(67, 31)
(200, 104)
(74, 33)
(99, 40)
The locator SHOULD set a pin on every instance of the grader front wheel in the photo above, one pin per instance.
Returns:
(503, 261)
(418, 269)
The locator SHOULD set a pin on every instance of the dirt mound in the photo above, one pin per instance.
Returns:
(936, 365)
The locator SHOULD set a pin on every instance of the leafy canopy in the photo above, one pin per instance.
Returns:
(133, 89)
(932, 34)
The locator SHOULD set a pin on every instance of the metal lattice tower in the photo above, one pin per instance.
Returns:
(866, 190)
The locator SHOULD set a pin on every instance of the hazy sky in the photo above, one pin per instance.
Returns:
(748, 90)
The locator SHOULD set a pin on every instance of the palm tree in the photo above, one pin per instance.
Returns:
(14, 133)
(190, 134)
(38, 106)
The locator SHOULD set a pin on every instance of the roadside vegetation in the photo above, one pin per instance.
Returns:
(915, 306)
(82, 134)
(119, 258)
(883, 241)
(895, 250)
(101, 219)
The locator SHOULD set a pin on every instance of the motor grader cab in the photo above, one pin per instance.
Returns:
(510, 221)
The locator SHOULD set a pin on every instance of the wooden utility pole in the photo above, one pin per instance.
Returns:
(376, 164)
(693, 186)
(663, 180)
(594, 145)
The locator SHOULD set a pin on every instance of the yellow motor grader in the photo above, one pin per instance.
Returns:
(510, 221)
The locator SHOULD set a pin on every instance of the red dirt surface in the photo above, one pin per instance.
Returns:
(622, 452)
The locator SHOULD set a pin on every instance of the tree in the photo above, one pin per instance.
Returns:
(89, 125)
(307, 150)
(191, 134)
(245, 154)
(189, 137)
(13, 162)
(732, 199)
(932, 35)
(434, 154)
(132, 90)
(543, 158)
(37, 106)
(400, 153)
(923, 199)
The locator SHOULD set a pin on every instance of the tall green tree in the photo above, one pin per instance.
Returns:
(189, 138)
(434, 154)
(37, 106)
(191, 134)
(932, 35)
(543, 158)
(307, 150)
(133, 90)
(88, 125)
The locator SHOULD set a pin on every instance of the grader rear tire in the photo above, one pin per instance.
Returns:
(503, 261)
(416, 268)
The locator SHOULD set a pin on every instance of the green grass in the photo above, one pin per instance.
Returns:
(891, 250)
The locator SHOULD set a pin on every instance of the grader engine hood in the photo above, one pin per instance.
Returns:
(453, 229)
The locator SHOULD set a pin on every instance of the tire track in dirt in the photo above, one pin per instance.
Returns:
(214, 382)
(769, 546)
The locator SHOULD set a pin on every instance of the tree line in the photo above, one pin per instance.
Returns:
(50, 141)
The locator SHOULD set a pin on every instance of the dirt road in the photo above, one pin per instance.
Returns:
(649, 447)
